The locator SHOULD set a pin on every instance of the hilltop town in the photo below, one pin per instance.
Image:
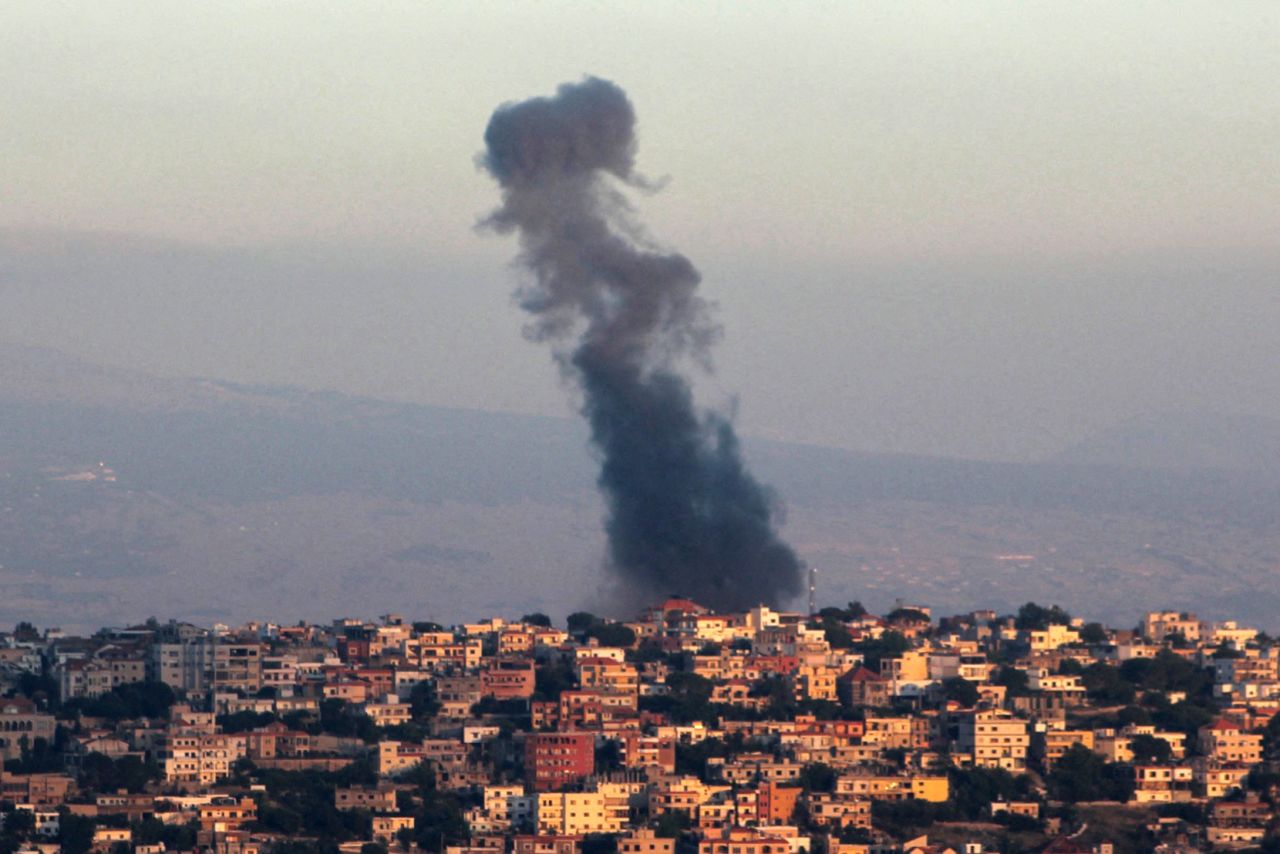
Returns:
(682, 731)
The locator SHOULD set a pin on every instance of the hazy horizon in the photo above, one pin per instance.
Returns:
(986, 231)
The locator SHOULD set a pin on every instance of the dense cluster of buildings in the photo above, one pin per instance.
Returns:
(745, 733)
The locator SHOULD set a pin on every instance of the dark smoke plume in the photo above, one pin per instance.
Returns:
(684, 513)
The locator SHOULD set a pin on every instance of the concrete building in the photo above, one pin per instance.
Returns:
(555, 760)
(994, 739)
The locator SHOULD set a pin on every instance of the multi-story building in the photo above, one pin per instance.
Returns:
(374, 799)
(1054, 743)
(388, 710)
(643, 840)
(994, 739)
(555, 760)
(1162, 784)
(280, 672)
(21, 723)
(189, 757)
(1225, 741)
(569, 813)
(888, 733)
(508, 679)
(643, 751)
(108, 668)
(743, 840)
(1161, 625)
(606, 674)
(237, 666)
(186, 666)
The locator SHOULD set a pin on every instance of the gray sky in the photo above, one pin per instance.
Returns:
(984, 229)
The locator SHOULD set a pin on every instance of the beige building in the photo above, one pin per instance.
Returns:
(21, 724)
(888, 732)
(642, 840)
(385, 827)
(816, 682)
(1056, 742)
(1117, 746)
(237, 666)
(185, 667)
(93, 677)
(192, 758)
(1227, 742)
(1162, 784)
(607, 809)
(605, 674)
(389, 710)
(921, 787)
(375, 799)
(1160, 625)
(994, 739)
(911, 666)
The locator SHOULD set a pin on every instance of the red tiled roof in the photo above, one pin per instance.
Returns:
(679, 604)
(862, 674)
(1222, 724)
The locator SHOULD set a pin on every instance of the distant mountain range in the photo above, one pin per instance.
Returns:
(1182, 441)
(124, 495)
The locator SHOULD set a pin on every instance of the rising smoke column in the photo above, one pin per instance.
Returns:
(684, 514)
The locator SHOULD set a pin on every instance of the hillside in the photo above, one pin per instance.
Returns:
(229, 502)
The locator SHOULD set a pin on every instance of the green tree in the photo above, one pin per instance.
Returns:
(127, 702)
(1038, 618)
(102, 774)
(890, 644)
(1184, 717)
(907, 615)
(1014, 681)
(1082, 775)
(692, 758)
(600, 843)
(672, 823)
(152, 831)
(439, 821)
(611, 634)
(1148, 749)
(689, 696)
(1106, 686)
(1167, 672)
(960, 690)
(552, 678)
(537, 618)
(75, 833)
(818, 777)
(19, 823)
(1133, 715)
(973, 790)
(1093, 633)
(244, 721)
(423, 703)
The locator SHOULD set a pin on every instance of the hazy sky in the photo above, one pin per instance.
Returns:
(982, 229)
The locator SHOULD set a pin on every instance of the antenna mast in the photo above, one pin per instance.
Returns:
(813, 590)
